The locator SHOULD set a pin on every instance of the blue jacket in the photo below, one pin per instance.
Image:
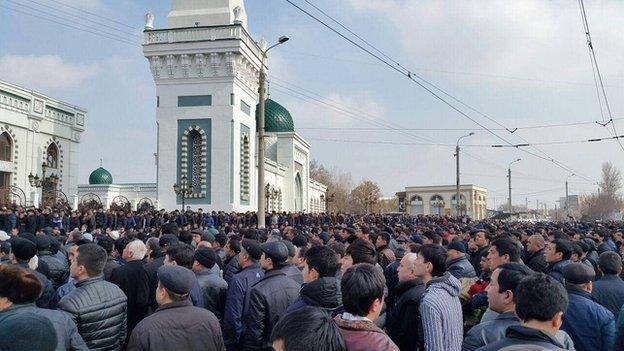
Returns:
(238, 290)
(461, 268)
(609, 292)
(591, 326)
(555, 270)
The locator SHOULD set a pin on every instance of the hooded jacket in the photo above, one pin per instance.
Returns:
(441, 314)
(323, 292)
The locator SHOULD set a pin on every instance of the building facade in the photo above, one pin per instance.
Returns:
(206, 69)
(441, 200)
(103, 192)
(38, 132)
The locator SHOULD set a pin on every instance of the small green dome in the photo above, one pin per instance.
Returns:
(100, 176)
(277, 119)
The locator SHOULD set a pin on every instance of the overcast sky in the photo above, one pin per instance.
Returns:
(522, 63)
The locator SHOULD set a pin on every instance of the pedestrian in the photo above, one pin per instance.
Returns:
(534, 257)
(609, 289)
(213, 287)
(307, 329)
(557, 254)
(98, 308)
(22, 251)
(177, 324)
(458, 264)
(183, 255)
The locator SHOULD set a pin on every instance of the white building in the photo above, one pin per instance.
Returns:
(206, 69)
(441, 200)
(35, 130)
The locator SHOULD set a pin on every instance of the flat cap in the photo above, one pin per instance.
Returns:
(457, 245)
(578, 273)
(43, 242)
(206, 257)
(23, 249)
(276, 250)
(176, 279)
(252, 247)
(290, 247)
(168, 240)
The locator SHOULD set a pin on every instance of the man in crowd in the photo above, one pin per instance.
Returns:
(403, 326)
(384, 253)
(182, 255)
(359, 251)
(269, 298)
(307, 329)
(458, 264)
(482, 242)
(534, 258)
(213, 287)
(98, 308)
(22, 251)
(557, 254)
(238, 288)
(591, 326)
(133, 280)
(440, 308)
(609, 289)
(177, 324)
(502, 250)
(362, 289)
(540, 304)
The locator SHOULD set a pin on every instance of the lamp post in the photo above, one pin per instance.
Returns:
(183, 190)
(509, 176)
(44, 181)
(567, 204)
(457, 196)
(261, 92)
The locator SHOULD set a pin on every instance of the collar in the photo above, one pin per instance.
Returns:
(350, 317)
(610, 277)
(408, 284)
(16, 307)
(576, 291)
(507, 316)
(177, 304)
(89, 281)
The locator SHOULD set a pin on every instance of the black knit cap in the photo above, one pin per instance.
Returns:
(206, 257)
(23, 249)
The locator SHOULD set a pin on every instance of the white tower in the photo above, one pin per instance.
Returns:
(206, 69)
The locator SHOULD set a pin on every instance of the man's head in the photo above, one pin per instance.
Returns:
(19, 286)
(579, 275)
(134, 251)
(22, 250)
(501, 251)
(362, 288)
(558, 250)
(610, 263)
(431, 237)
(382, 240)
(174, 284)
(455, 250)
(431, 262)
(320, 261)
(482, 239)
(307, 329)
(204, 258)
(541, 299)
(274, 255)
(88, 262)
(250, 253)
(504, 280)
(535, 243)
(360, 251)
(407, 269)
(180, 255)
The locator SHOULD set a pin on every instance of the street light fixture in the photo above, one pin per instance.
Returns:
(261, 92)
(43, 182)
(457, 195)
(183, 190)
(509, 176)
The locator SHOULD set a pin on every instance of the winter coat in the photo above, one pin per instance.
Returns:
(490, 331)
(536, 261)
(58, 270)
(392, 279)
(214, 291)
(555, 270)
(178, 326)
(231, 267)
(475, 259)
(385, 256)
(364, 335)
(238, 288)
(66, 332)
(268, 300)
(461, 268)
(519, 335)
(110, 265)
(45, 299)
(403, 326)
(151, 268)
(323, 292)
(133, 280)
(441, 314)
(591, 326)
(609, 292)
(293, 273)
(99, 310)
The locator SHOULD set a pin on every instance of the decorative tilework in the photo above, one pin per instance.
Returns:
(194, 158)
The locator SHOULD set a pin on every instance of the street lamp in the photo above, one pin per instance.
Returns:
(43, 182)
(261, 89)
(509, 176)
(183, 190)
(567, 206)
(457, 196)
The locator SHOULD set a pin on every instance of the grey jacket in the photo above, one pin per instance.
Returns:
(461, 268)
(66, 331)
(214, 291)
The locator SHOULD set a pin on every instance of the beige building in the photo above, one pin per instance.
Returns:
(441, 200)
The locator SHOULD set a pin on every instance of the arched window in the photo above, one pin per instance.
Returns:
(195, 161)
(52, 156)
(437, 205)
(416, 205)
(6, 147)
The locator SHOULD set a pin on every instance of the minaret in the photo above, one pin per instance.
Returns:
(206, 69)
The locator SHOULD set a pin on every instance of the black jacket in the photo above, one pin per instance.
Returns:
(609, 292)
(133, 280)
(178, 326)
(293, 273)
(214, 291)
(536, 261)
(519, 335)
(45, 300)
(403, 326)
(475, 259)
(324, 293)
(59, 272)
(99, 310)
(152, 268)
(392, 279)
(268, 300)
(231, 267)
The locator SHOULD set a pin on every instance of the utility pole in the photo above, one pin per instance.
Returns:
(457, 195)
(261, 151)
(567, 204)
(509, 179)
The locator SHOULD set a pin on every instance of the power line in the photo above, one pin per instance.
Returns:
(412, 76)
(93, 14)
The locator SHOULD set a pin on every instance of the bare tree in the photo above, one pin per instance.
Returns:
(339, 185)
(611, 182)
(608, 200)
(364, 196)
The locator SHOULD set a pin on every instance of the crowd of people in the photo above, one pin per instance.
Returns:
(157, 280)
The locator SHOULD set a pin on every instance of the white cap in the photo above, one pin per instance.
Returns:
(114, 234)
(4, 236)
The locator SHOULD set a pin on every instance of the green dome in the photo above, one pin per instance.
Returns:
(100, 176)
(277, 119)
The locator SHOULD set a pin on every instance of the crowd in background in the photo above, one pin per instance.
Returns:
(157, 280)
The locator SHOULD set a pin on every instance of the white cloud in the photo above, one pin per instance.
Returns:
(45, 72)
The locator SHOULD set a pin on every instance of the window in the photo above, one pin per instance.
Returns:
(158, 101)
(195, 141)
(245, 167)
(232, 99)
(6, 147)
(52, 156)
(245, 108)
(193, 101)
